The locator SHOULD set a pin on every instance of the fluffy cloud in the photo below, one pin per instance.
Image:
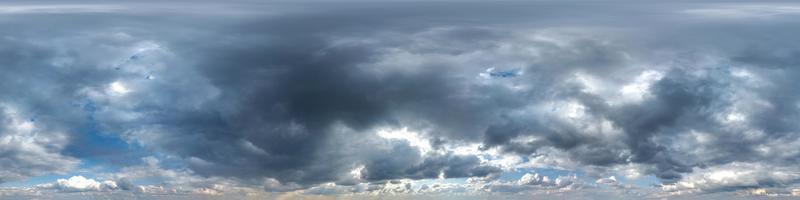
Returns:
(79, 184)
(28, 148)
(323, 101)
(531, 183)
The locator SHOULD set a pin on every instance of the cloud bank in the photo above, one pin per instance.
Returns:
(351, 99)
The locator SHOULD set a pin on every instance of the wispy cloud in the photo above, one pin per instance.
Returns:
(58, 9)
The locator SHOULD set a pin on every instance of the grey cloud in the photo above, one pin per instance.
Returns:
(734, 176)
(297, 96)
(28, 150)
(31, 144)
(433, 166)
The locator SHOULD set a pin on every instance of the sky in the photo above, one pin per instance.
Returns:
(346, 99)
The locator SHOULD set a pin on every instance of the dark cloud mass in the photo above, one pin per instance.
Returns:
(283, 96)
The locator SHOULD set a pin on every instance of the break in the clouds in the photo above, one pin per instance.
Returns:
(399, 99)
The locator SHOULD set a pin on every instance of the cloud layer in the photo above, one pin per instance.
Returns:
(376, 98)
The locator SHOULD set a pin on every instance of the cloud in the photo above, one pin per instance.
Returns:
(79, 184)
(746, 11)
(366, 97)
(57, 9)
(533, 182)
(28, 148)
(735, 176)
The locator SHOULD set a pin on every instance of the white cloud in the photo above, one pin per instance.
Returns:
(118, 88)
(639, 89)
(732, 177)
(57, 9)
(533, 179)
(535, 182)
(413, 138)
(79, 184)
(745, 11)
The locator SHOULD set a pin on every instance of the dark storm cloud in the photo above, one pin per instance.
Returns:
(283, 95)
(281, 87)
(676, 101)
(285, 85)
(297, 94)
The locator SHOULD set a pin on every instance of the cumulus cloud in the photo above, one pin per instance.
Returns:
(79, 184)
(533, 182)
(29, 148)
(316, 100)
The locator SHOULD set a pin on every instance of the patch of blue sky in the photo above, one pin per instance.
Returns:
(102, 150)
(430, 182)
(98, 152)
(500, 73)
(549, 172)
(504, 74)
(148, 181)
(643, 181)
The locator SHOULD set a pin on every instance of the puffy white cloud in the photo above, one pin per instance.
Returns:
(79, 184)
(533, 179)
(535, 182)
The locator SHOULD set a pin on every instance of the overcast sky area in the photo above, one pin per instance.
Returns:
(399, 99)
